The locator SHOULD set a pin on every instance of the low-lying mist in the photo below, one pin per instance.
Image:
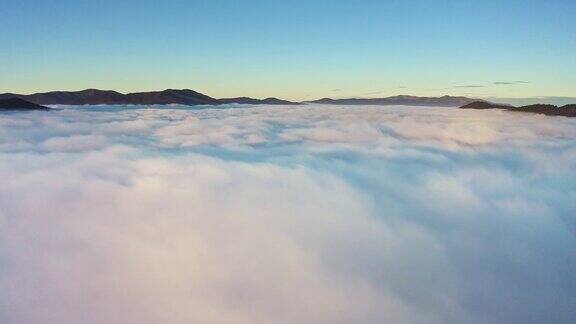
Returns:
(308, 214)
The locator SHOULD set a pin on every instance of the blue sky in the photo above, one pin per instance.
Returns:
(291, 49)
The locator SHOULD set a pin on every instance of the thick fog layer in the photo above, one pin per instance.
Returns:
(311, 214)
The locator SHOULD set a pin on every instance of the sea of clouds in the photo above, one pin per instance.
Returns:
(304, 214)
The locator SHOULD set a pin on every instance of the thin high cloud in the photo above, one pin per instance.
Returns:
(510, 82)
(308, 214)
(470, 86)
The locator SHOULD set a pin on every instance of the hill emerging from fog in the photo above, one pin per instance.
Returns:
(19, 104)
(108, 97)
(550, 110)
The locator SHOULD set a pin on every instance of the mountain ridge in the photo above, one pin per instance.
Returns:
(193, 98)
(111, 97)
(443, 101)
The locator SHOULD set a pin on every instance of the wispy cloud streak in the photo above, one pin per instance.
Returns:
(510, 82)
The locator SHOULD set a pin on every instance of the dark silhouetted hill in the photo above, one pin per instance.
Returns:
(19, 104)
(550, 110)
(484, 105)
(170, 96)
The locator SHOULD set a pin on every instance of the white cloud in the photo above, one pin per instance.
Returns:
(312, 214)
(74, 143)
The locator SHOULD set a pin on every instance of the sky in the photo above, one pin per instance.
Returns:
(300, 49)
(283, 214)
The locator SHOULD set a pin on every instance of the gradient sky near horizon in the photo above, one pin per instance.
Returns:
(300, 49)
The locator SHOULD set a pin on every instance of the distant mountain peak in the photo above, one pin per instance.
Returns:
(480, 104)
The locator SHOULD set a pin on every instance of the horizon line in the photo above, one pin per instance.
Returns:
(305, 100)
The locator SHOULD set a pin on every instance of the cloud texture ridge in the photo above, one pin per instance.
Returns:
(308, 214)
